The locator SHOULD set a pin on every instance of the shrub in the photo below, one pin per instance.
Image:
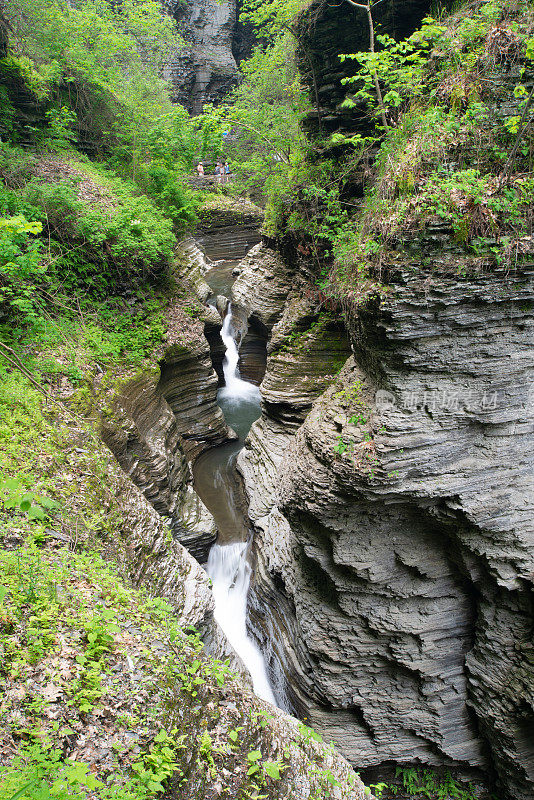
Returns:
(98, 247)
(21, 266)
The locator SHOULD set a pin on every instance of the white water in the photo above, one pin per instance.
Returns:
(234, 389)
(230, 574)
(227, 566)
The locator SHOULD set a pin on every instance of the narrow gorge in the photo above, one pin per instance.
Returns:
(389, 596)
(267, 400)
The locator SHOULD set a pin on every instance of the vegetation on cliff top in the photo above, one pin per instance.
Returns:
(455, 151)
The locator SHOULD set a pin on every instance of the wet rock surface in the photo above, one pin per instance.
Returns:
(261, 290)
(159, 563)
(144, 436)
(394, 551)
(228, 228)
(189, 383)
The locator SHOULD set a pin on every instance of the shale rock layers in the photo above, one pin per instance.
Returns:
(394, 545)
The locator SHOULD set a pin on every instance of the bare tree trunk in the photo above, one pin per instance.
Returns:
(378, 90)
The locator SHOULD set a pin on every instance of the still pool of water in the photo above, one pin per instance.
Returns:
(220, 278)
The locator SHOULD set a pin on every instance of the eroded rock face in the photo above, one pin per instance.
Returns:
(159, 425)
(394, 576)
(157, 562)
(192, 267)
(189, 383)
(204, 71)
(228, 228)
(260, 291)
(306, 349)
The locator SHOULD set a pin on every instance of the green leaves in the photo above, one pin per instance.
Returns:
(398, 66)
(253, 757)
(35, 506)
(272, 769)
(22, 791)
(21, 265)
(233, 734)
(93, 41)
(159, 763)
(266, 111)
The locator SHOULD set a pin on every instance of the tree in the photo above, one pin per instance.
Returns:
(266, 111)
(367, 7)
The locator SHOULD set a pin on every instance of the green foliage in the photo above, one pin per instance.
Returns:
(428, 784)
(89, 246)
(273, 769)
(399, 65)
(447, 154)
(136, 237)
(160, 762)
(308, 205)
(378, 788)
(51, 776)
(114, 51)
(13, 495)
(468, 200)
(96, 69)
(60, 134)
(272, 17)
(21, 266)
(308, 734)
(163, 184)
(265, 112)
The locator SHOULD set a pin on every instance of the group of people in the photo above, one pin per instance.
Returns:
(222, 171)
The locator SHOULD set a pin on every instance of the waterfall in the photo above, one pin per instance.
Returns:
(230, 573)
(234, 389)
(228, 566)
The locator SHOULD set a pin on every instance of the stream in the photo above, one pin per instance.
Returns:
(219, 486)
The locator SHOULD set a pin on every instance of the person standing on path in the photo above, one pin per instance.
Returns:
(200, 169)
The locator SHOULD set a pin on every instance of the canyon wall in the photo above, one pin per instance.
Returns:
(394, 544)
(204, 70)
(158, 421)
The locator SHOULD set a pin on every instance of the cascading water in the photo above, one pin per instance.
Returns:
(230, 571)
(235, 390)
(228, 566)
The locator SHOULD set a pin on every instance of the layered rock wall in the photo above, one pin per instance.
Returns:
(324, 31)
(394, 548)
(145, 436)
(228, 228)
(204, 70)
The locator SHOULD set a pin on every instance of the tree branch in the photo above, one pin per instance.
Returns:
(12, 358)
(282, 156)
(15, 361)
(374, 74)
